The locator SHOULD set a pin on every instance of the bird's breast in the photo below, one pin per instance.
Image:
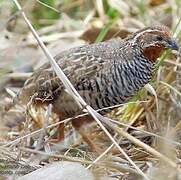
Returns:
(109, 88)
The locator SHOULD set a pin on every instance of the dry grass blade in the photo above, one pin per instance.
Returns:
(171, 87)
(150, 89)
(100, 8)
(64, 157)
(139, 143)
(69, 119)
(72, 91)
(34, 133)
(100, 156)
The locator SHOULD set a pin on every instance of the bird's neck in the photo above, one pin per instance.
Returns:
(153, 52)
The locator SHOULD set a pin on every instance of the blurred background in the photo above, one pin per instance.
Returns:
(63, 24)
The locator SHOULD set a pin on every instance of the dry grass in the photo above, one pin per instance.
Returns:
(25, 141)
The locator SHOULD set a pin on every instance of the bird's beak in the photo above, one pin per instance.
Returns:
(173, 45)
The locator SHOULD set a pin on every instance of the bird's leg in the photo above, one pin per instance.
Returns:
(79, 125)
(61, 131)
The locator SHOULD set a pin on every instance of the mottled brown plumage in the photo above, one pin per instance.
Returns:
(105, 74)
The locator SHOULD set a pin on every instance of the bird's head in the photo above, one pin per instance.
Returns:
(154, 40)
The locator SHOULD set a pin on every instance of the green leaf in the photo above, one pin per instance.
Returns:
(103, 32)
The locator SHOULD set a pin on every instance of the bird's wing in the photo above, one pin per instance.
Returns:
(80, 65)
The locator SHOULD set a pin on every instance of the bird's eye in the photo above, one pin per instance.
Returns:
(159, 38)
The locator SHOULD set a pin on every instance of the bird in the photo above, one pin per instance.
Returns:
(104, 74)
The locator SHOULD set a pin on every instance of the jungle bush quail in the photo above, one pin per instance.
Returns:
(104, 74)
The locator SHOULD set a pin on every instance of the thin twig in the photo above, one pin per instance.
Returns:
(72, 91)
(92, 112)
